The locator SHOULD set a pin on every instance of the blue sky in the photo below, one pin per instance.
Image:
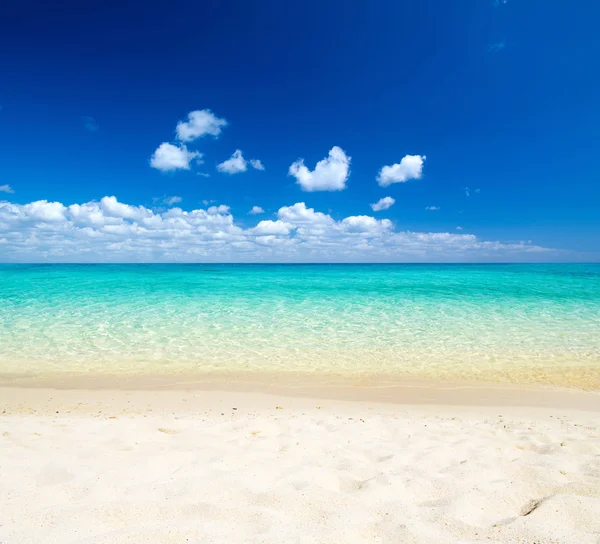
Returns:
(501, 97)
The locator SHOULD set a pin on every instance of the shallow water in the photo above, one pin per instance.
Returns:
(516, 322)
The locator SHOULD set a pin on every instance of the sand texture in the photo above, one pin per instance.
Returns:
(250, 468)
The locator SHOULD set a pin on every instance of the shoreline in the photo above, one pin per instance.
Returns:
(393, 392)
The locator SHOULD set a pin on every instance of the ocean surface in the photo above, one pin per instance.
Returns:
(523, 323)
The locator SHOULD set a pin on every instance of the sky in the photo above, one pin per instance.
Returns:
(321, 131)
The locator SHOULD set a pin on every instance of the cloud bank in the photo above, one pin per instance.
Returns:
(111, 231)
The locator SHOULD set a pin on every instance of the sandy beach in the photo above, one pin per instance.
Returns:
(144, 466)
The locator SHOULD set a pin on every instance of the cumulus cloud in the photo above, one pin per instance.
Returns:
(222, 208)
(432, 208)
(199, 123)
(237, 164)
(383, 204)
(299, 214)
(234, 164)
(256, 210)
(410, 167)
(6, 189)
(111, 231)
(169, 157)
(330, 174)
(275, 228)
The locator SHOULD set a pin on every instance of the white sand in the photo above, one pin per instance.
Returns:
(177, 466)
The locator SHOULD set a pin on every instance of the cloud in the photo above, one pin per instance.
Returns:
(432, 208)
(256, 210)
(269, 227)
(330, 174)
(170, 200)
(199, 123)
(459, 228)
(203, 174)
(90, 124)
(496, 47)
(299, 214)
(6, 189)
(410, 167)
(169, 157)
(383, 204)
(112, 231)
(222, 208)
(234, 164)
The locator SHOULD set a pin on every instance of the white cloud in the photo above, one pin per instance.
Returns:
(432, 208)
(111, 231)
(113, 208)
(299, 214)
(275, 228)
(168, 157)
(330, 174)
(410, 167)
(199, 123)
(366, 225)
(234, 165)
(459, 228)
(6, 189)
(237, 164)
(383, 204)
(218, 209)
(203, 174)
(170, 200)
(45, 211)
(256, 164)
(256, 210)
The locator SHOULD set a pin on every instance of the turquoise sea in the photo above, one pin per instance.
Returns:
(529, 323)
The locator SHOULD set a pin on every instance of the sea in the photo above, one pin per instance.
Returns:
(495, 322)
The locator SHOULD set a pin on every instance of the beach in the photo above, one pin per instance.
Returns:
(300, 403)
(511, 465)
